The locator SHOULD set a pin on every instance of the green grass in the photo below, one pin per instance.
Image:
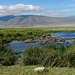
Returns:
(29, 70)
(10, 34)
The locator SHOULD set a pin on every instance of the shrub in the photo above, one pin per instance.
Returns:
(40, 55)
(70, 55)
(50, 55)
(32, 56)
(7, 56)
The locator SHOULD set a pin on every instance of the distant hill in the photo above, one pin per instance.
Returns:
(35, 20)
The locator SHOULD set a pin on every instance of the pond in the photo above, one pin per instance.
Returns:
(65, 34)
(21, 45)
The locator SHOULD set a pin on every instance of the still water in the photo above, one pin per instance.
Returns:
(21, 45)
(66, 34)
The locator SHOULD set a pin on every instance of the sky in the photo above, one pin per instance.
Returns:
(52, 8)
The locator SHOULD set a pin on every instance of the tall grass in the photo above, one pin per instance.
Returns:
(50, 55)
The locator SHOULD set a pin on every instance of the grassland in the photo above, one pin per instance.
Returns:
(29, 70)
(37, 29)
(10, 34)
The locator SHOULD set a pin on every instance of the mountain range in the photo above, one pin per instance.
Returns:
(35, 21)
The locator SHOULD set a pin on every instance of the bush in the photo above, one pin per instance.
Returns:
(50, 56)
(70, 54)
(41, 55)
(7, 56)
(32, 56)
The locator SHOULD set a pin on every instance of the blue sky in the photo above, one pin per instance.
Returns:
(55, 8)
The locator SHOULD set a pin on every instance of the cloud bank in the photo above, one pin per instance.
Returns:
(19, 8)
(22, 8)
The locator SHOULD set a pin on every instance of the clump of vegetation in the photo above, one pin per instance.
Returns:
(50, 56)
(32, 56)
(7, 56)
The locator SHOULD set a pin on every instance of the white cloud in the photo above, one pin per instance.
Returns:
(22, 8)
(58, 13)
(19, 8)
